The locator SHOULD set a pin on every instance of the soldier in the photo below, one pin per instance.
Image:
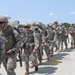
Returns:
(61, 37)
(29, 49)
(55, 28)
(38, 41)
(72, 33)
(45, 43)
(18, 32)
(64, 37)
(11, 46)
(50, 38)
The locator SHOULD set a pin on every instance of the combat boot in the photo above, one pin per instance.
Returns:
(36, 68)
(27, 72)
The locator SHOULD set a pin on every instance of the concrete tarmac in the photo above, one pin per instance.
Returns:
(62, 63)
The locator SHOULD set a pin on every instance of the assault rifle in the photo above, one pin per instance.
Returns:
(20, 59)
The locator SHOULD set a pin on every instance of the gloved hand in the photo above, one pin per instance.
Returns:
(9, 51)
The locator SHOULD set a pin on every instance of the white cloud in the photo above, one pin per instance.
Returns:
(72, 13)
(51, 14)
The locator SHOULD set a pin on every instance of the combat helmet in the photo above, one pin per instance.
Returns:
(3, 19)
(32, 24)
(26, 25)
(55, 22)
(14, 24)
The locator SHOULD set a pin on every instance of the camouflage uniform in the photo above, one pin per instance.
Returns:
(64, 37)
(11, 46)
(55, 28)
(72, 33)
(40, 32)
(50, 38)
(38, 41)
(61, 34)
(45, 42)
(29, 46)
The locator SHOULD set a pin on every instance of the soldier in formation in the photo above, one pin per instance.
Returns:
(11, 46)
(30, 48)
(72, 33)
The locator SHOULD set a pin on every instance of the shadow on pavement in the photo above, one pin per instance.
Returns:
(45, 70)
(67, 50)
(60, 56)
(57, 58)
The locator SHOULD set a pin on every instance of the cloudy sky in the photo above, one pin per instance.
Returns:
(46, 11)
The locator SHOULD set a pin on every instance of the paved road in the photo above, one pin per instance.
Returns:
(62, 63)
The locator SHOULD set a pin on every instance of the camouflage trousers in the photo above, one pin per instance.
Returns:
(47, 50)
(10, 64)
(28, 56)
(39, 53)
(73, 42)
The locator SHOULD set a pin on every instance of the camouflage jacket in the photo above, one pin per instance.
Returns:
(12, 42)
